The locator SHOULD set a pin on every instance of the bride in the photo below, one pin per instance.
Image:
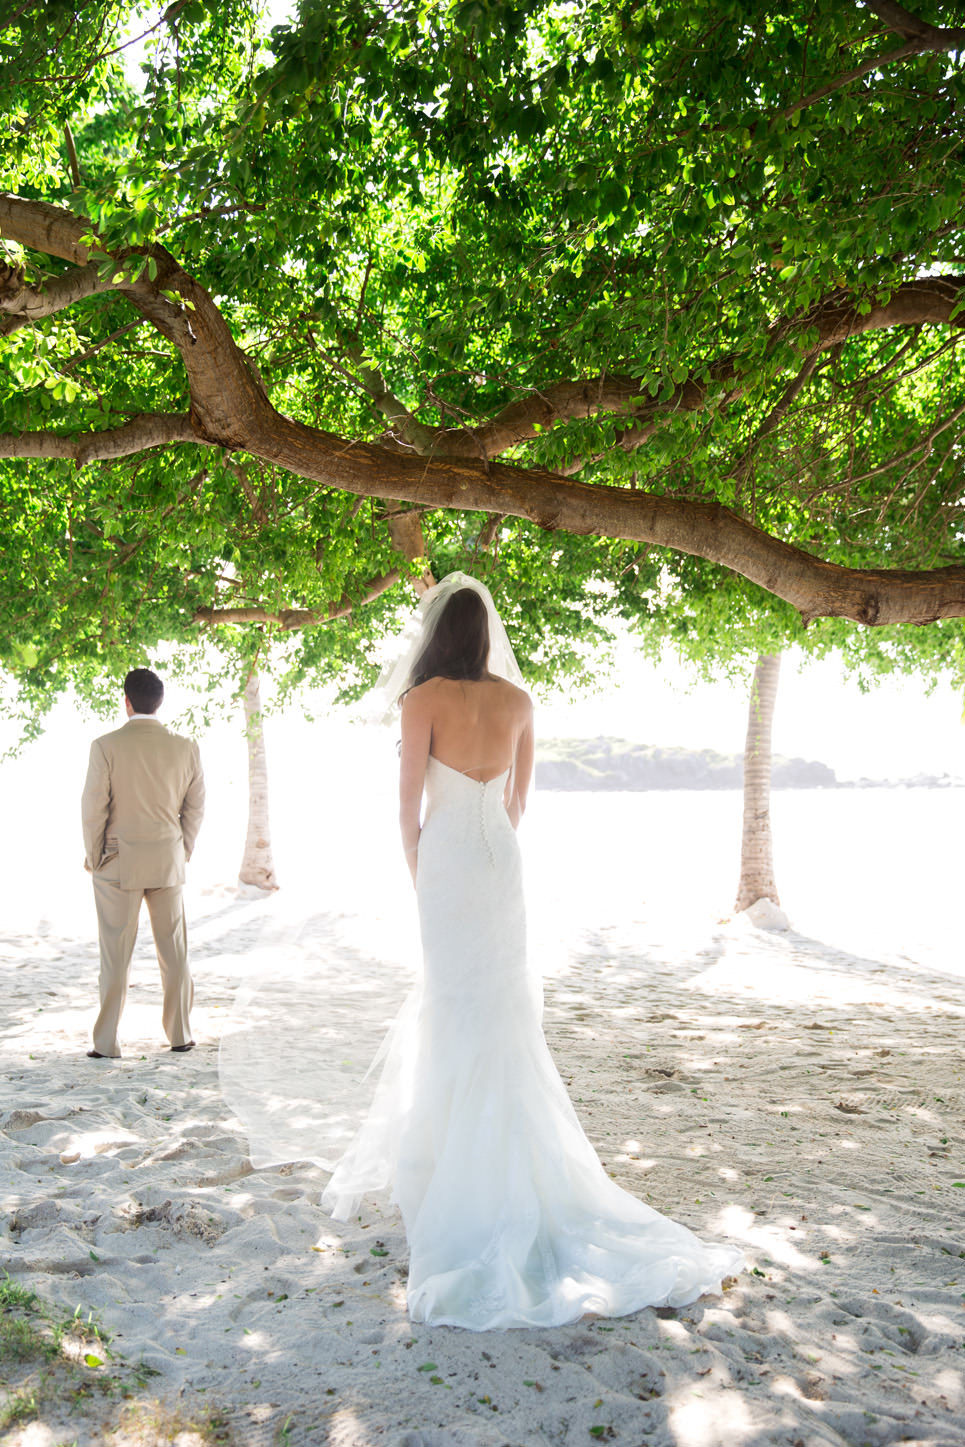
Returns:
(510, 1217)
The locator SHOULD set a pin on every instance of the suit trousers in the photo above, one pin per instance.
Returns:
(117, 912)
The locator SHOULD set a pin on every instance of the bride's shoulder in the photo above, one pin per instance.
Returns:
(419, 695)
(519, 696)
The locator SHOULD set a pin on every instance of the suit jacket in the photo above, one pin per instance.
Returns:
(142, 803)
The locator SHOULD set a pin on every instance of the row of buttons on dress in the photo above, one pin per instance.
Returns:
(482, 820)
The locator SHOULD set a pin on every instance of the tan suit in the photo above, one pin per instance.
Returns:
(142, 807)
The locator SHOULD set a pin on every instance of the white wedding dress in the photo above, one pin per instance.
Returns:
(510, 1217)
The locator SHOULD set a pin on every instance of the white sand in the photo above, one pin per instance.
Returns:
(764, 1088)
(800, 1097)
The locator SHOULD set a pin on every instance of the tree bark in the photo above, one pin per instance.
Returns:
(229, 408)
(405, 530)
(257, 865)
(291, 618)
(757, 865)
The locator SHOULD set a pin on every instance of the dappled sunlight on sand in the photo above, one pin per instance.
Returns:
(776, 1091)
(742, 971)
(708, 1423)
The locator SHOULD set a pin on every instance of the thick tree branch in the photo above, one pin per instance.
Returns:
(405, 530)
(26, 304)
(912, 27)
(224, 385)
(708, 530)
(149, 429)
(53, 231)
(413, 433)
(229, 408)
(835, 319)
(544, 408)
(921, 39)
(48, 229)
(292, 618)
(932, 301)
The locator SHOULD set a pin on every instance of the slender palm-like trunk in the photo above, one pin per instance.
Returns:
(257, 866)
(757, 866)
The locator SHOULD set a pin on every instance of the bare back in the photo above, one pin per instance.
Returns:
(476, 726)
(481, 728)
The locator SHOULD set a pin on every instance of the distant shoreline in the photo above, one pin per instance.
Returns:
(610, 765)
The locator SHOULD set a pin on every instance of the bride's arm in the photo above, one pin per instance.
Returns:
(416, 740)
(522, 770)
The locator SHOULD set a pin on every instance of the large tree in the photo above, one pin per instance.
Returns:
(686, 280)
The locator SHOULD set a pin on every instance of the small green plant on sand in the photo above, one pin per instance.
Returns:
(19, 1407)
(53, 1361)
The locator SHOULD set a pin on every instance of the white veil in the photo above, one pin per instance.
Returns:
(397, 674)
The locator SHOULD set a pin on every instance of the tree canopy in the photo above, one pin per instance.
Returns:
(636, 293)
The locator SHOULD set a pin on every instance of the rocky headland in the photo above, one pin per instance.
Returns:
(617, 764)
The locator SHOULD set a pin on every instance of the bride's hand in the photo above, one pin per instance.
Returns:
(412, 860)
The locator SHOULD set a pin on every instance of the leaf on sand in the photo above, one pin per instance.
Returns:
(91, 1361)
(427, 1367)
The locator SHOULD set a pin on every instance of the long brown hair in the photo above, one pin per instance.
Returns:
(459, 646)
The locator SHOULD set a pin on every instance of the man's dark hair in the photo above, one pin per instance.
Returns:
(144, 690)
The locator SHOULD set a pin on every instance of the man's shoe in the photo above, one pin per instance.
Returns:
(180, 1049)
(96, 1055)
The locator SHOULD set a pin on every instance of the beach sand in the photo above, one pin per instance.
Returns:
(762, 1087)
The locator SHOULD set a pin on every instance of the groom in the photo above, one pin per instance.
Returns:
(142, 807)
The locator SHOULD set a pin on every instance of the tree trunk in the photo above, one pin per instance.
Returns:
(757, 866)
(257, 866)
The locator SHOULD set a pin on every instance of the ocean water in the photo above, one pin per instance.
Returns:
(867, 870)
